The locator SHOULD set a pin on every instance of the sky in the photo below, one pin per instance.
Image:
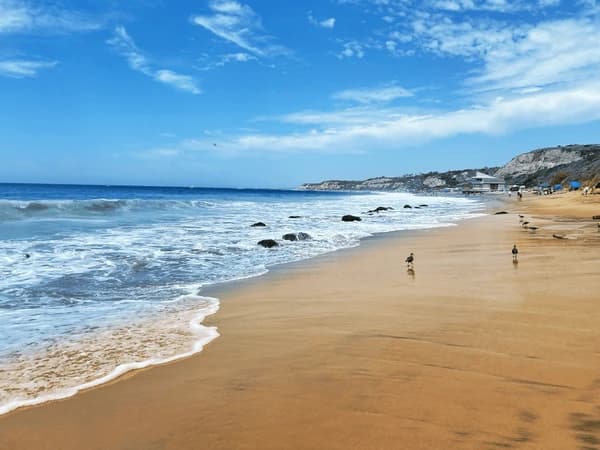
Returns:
(264, 93)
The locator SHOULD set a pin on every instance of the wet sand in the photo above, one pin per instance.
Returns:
(349, 351)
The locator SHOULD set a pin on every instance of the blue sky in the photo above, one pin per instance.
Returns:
(275, 93)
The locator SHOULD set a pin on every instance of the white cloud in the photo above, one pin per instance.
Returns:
(352, 49)
(222, 60)
(565, 51)
(577, 105)
(183, 82)
(546, 3)
(18, 16)
(517, 56)
(444, 36)
(372, 95)
(22, 17)
(23, 68)
(328, 23)
(466, 28)
(240, 25)
(500, 6)
(360, 130)
(342, 118)
(238, 57)
(124, 44)
(325, 23)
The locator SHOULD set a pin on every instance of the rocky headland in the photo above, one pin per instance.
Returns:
(552, 165)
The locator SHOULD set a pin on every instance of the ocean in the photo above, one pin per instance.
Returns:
(99, 280)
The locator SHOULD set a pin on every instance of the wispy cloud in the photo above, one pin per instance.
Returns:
(506, 51)
(22, 17)
(372, 95)
(352, 49)
(23, 68)
(517, 56)
(18, 16)
(323, 23)
(492, 5)
(223, 60)
(125, 45)
(471, 39)
(555, 52)
(403, 7)
(239, 24)
(360, 130)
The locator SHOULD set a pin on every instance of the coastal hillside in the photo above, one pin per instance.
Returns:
(547, 165)
(412, 182)
(553, 165)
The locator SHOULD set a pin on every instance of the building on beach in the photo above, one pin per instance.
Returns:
(483, 183)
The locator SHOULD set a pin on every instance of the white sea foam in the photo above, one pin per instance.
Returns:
(63, 370)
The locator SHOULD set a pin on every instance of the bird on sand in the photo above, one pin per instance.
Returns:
(410, 260)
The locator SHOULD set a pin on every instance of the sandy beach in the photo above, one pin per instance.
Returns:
(349, 351)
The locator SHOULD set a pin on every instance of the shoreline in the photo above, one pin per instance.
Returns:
(214, 292)
(322, 301)
(133, 365)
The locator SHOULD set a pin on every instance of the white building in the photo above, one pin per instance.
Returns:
(484, 183)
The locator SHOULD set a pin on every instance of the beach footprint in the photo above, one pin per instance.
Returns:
(522, 434)
(586, 426)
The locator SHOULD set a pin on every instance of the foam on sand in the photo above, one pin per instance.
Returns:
(63, 371)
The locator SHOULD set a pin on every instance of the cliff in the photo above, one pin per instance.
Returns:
(553, 165)
(547, 165)
(412, 182)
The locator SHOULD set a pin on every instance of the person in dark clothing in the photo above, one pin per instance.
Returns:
(515, 253)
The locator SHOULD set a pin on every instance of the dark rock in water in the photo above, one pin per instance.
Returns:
(407, 207)
(424, 205)
(27, 256)
(295, 217)
(290, 237)
(417, 207)
(304, 236)
(381, 208)
(351, 218)
(268, 243)
(499, 213)
(559, 236)
(596, 218)
(258, 224)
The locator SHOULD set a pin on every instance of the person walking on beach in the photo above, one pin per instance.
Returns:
(410, 260)
(515, 253)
